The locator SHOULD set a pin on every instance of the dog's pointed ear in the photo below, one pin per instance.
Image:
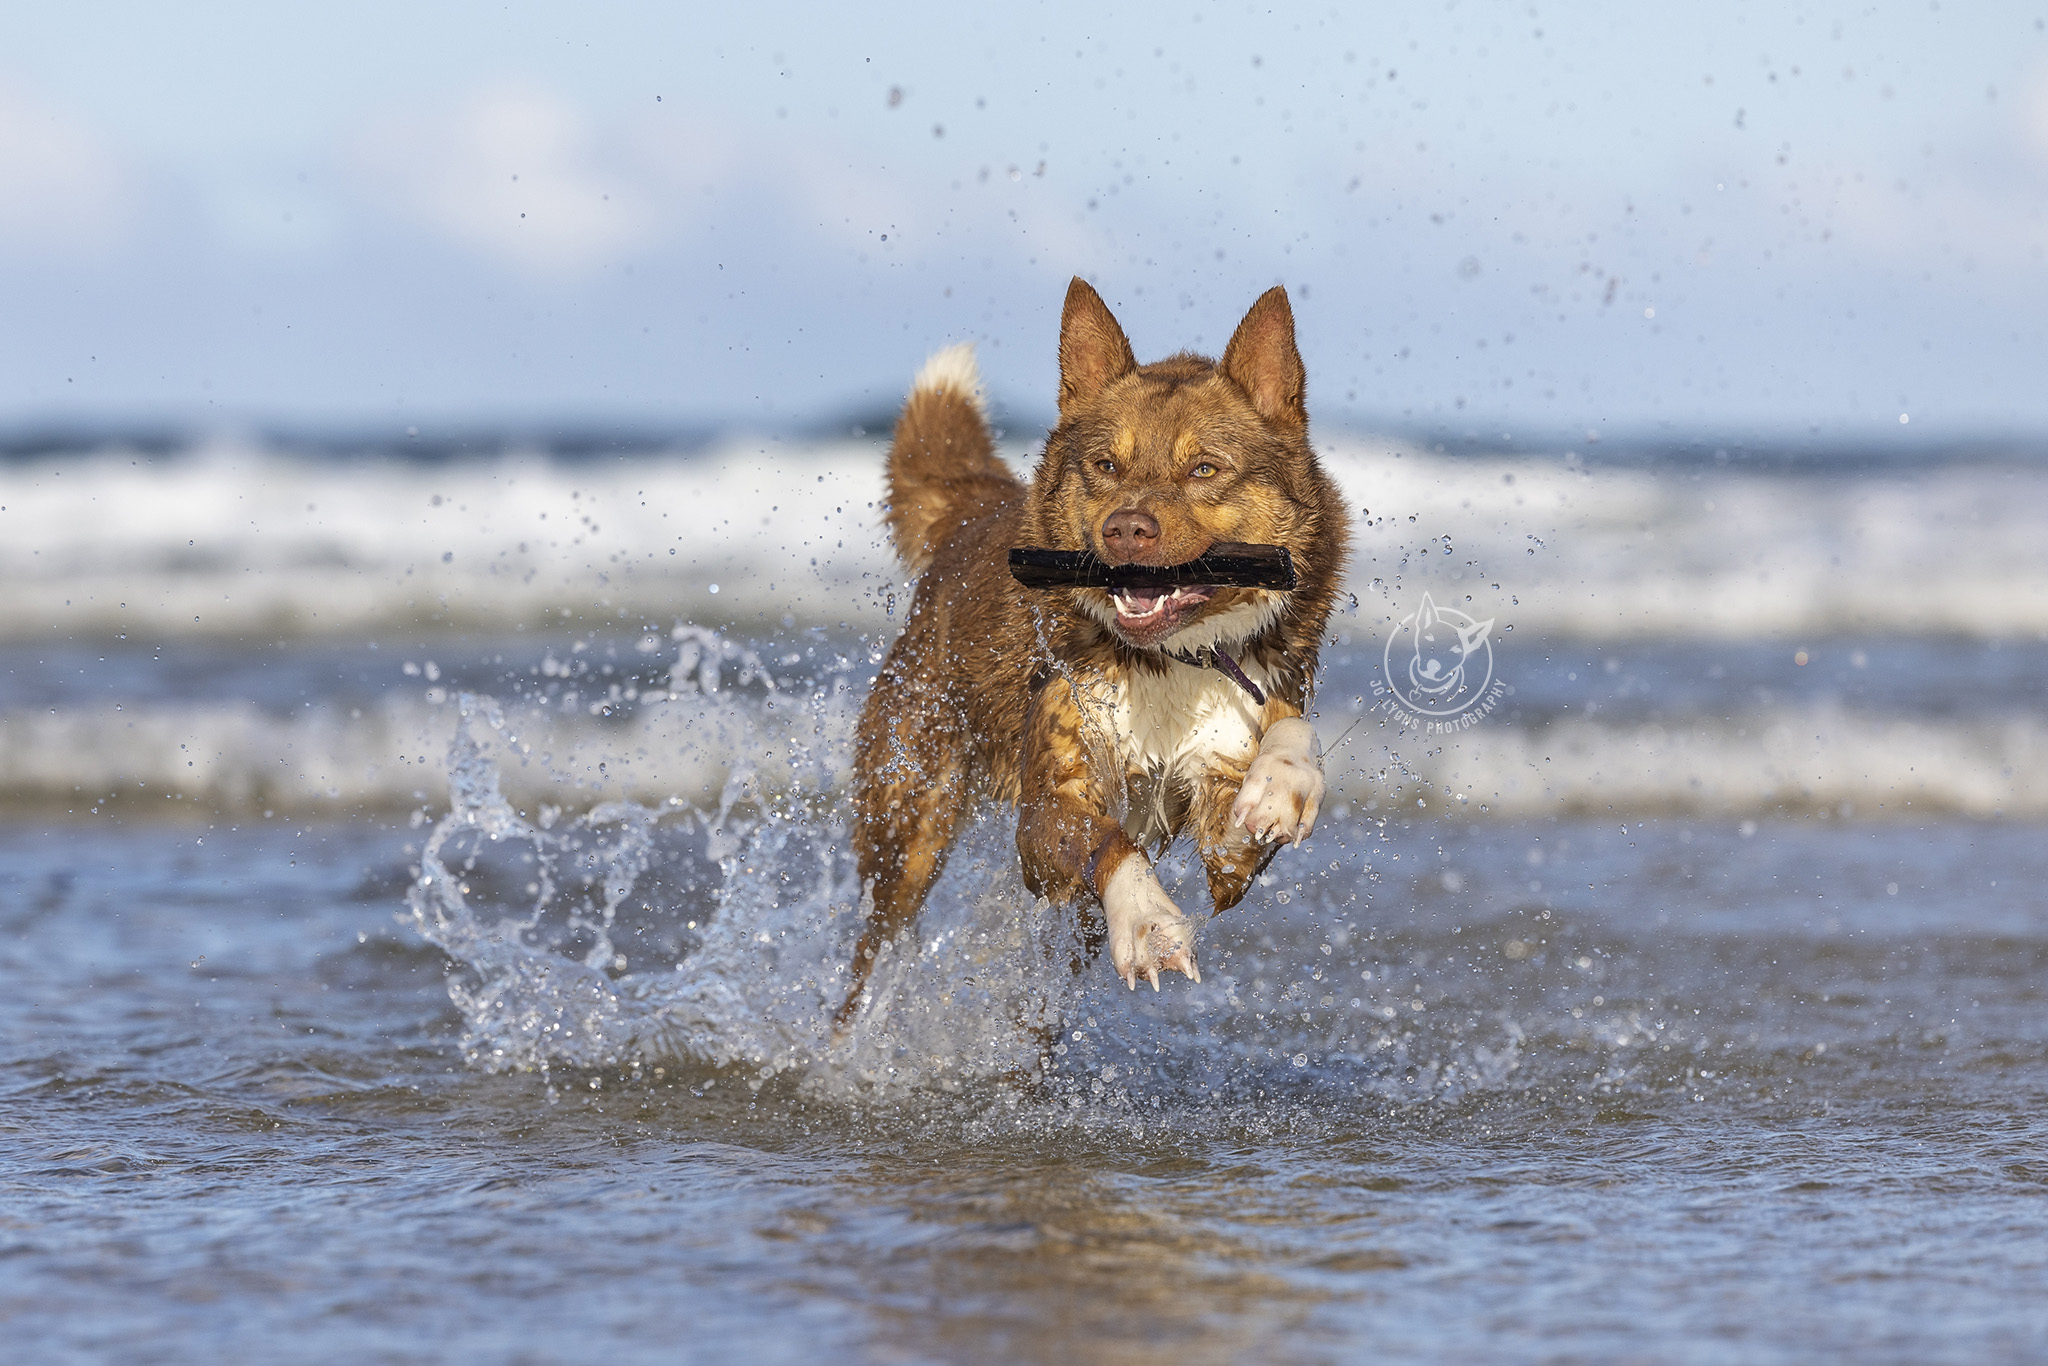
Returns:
(1093, 350)
(1261, 359)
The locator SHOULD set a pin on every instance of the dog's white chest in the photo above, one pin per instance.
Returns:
(1167, 721)
(1172, 725)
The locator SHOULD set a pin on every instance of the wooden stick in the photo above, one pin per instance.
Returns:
(1228, 564)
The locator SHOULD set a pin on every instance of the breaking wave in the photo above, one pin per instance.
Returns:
(236, 540)
(679, 749)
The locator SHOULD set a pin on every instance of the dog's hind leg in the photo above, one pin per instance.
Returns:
(910, 799)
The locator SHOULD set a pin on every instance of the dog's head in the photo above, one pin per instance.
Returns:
(1153, 464)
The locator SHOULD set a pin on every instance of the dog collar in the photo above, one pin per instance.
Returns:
(1219, 659)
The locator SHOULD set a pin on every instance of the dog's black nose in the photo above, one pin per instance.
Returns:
(1128, 534)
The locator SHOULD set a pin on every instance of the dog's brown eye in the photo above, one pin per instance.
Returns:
(1205, 470)
(1106, 466)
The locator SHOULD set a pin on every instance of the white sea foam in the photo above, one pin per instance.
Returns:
(683, 751)
(1615, 552)
(236, 541)
(675, 745)
(1815, 760)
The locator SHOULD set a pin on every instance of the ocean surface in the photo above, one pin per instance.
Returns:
(424, 882)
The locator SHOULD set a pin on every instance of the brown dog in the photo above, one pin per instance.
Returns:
(1113, 722)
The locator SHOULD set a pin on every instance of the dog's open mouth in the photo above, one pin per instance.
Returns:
(1154, 601)
(1149, 613)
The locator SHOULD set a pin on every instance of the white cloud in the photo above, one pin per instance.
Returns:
(515, 173)
(535, 183)
(59, 185)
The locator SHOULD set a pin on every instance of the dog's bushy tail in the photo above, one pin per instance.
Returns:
(943, 467)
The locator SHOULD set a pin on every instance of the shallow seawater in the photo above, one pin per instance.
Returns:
(1489, 1091)
(417, 931)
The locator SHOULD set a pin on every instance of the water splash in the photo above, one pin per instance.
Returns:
(701, 659)
(635, 933)
(715, 935)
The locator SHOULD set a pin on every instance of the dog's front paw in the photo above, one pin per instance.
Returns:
(1283, 789)
(1147, 932)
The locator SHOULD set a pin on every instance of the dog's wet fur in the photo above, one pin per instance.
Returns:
(1093, 713)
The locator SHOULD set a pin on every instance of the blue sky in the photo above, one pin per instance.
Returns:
(1530, 218)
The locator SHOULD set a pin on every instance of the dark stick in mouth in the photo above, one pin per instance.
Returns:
(1228, 564)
